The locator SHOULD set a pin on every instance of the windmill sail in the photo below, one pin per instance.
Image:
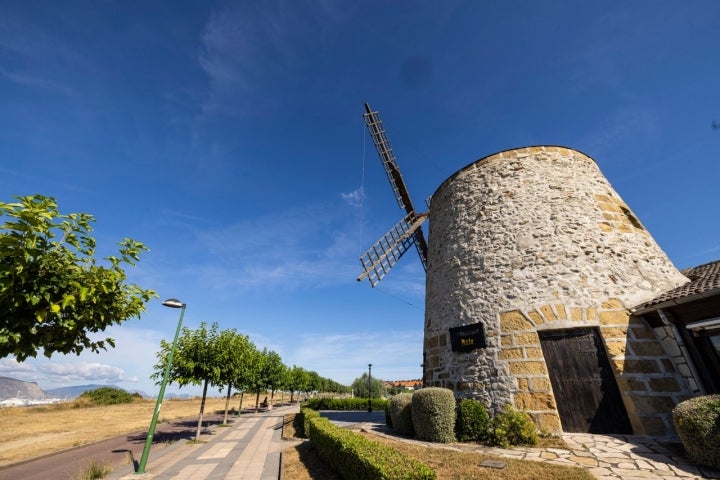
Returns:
(386, 252)
(410, 235)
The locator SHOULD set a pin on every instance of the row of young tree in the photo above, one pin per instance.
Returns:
(228, 360)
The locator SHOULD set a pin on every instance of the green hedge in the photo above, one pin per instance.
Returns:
(433, 413)
(401, 414)
(306, 415)
(345, 403)
(355, 457)
(697, 423)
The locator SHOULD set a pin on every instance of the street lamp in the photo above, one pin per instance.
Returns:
(172, 303)
(369, 394)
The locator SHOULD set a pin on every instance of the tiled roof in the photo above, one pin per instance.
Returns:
(404, 383)
(704, 281)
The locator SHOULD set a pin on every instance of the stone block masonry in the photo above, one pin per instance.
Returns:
(536, 239)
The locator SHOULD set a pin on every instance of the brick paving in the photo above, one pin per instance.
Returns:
(249, 449)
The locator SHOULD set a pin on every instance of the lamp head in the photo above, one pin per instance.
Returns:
(173, 303)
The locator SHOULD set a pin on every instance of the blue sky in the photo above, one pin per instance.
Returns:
(228, 137)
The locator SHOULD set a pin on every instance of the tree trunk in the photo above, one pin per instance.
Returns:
(202, 409)
(257, 402)
(227, 403)
(242, 395)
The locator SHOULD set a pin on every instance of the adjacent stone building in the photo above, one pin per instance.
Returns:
(534, 266)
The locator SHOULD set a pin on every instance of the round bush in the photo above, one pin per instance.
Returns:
(401, 414)
(697, 423)
(511, 428)
(472, 422)
(433, 414)
(108, 396)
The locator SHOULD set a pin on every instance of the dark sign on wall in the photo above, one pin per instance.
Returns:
(467, 337)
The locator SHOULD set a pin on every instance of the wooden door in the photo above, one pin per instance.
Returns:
(586, 393)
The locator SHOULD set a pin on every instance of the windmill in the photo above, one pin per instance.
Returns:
(385, 253)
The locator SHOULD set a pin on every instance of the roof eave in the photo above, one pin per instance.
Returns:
(677, 301)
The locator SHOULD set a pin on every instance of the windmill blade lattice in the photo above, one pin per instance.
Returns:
(381, 257)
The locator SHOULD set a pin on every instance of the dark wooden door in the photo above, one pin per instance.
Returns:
(586, 393)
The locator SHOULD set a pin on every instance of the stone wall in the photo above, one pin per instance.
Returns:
(536, 238)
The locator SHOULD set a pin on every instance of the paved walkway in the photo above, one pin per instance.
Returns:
(249, 449)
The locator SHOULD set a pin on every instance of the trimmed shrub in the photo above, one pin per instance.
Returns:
(511, 428)
(472, 421)
(355, 457)
(307, 414)
(388, 419)
(401, 414)
(433, 414)
(345, 403)
(108, 396)
(697, 423)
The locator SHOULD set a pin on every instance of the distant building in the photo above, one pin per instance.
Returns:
(404, 384)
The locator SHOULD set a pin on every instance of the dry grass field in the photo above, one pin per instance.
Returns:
(29, 432)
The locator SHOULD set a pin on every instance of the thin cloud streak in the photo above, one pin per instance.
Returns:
(392, 353)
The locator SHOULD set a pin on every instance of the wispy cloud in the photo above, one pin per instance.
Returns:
(247, 49)
(354, 198)
(241, 48)
(36, 59)
(310, 245)
(74, 372)
(57, 374)
(38, 82)
(128, 364)
(622, 126)
(392, 360)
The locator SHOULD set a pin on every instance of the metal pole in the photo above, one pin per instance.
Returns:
(158, 403)
(369, 393)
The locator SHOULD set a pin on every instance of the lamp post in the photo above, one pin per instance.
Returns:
(172, 303)
(369, 393)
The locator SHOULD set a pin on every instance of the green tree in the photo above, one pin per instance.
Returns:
(297, 379)
(52, 291)
(199, 358)
(314, 384)
(276, 374)
(235, 353)
(269, 374)
(246, 378)
(360, 387)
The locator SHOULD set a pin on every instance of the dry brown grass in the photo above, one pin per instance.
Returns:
(301, 462)
(29, 432)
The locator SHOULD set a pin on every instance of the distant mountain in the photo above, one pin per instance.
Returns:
(71, 393)
(11, 388)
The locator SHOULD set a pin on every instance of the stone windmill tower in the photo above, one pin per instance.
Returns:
(533, 262)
